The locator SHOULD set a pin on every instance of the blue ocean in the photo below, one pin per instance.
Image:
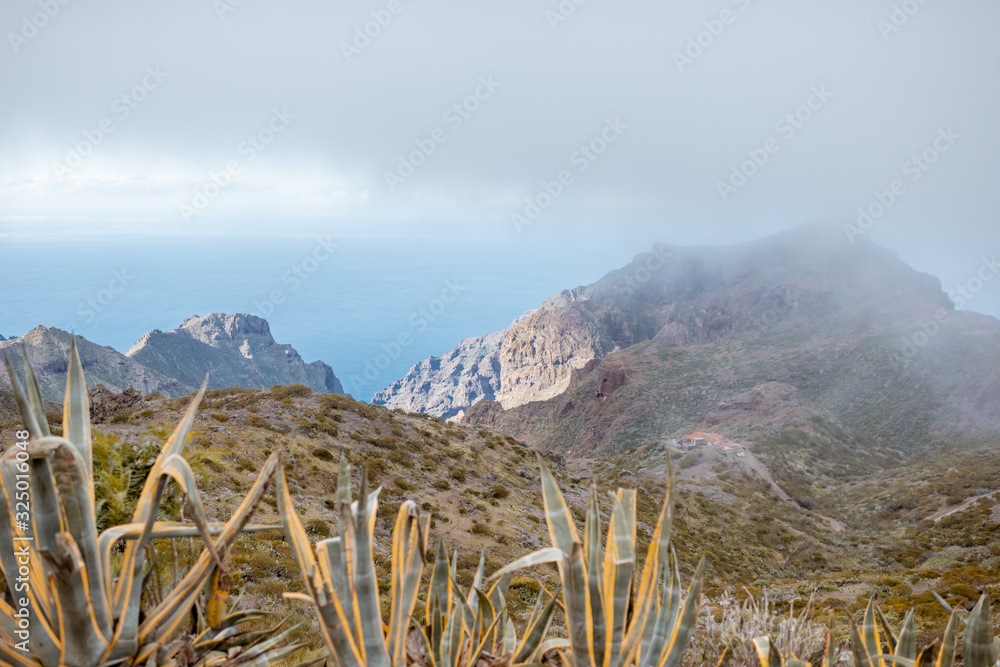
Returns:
(358, 304)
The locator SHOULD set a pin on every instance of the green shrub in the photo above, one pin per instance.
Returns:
(323, 454)
(293, 390)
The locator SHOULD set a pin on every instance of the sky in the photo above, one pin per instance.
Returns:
(584, 122)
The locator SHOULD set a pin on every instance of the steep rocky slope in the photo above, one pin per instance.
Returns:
(234, 350)
(48, 349)
(688, 296)
(444, 386)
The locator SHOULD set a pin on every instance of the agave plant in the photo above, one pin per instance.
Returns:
(979, 647)
(771, 656)
(614, 617)
(474, 628)
(340, 581)
(66, 601)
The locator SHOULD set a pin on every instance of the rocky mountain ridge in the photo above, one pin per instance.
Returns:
(233, 349)
(801, 330)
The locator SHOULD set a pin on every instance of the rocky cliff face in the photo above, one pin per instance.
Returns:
(808, 278)
(48, 350)
(233, 350)
(450, 383)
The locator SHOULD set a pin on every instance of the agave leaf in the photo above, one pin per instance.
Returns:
(177, 468)
(906, 645)
(28, 415)
(978, 648)
(766, 653)
(658, 551)
(365, 584)
(562, 530)
(35, 396)
(576, 594)
(926, 656)
(80, 634)
(164, 619)
(547, 555)
(619, 567)
(126, 594)
(407, 567)
(73, 479)
(658, 632)
(890, 636)
(332, 559)
(333, 621)
(535, 632)
(946, 658)
(76, 413)
(689, 618)
(596, 620)
(871, 637)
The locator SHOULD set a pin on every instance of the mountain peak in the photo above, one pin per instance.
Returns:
(234, 349)
(216, 327)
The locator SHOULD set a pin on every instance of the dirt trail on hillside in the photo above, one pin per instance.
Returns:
(750, 462)
(964, 505)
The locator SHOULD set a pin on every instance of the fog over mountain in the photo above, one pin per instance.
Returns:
(728, 121)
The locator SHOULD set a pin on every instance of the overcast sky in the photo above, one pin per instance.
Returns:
(116, 115)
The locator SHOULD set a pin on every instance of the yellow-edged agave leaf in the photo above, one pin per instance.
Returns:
(949, 644)
(71, 601)
(562, 530)
(767, 654)
(978, 645)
